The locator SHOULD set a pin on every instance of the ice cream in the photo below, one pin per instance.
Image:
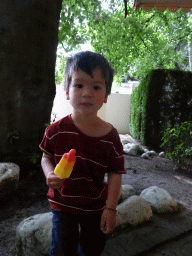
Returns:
(65, 167)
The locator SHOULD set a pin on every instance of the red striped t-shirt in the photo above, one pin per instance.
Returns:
(84, 192)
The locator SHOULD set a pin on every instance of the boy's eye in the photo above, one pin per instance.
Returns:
(97, 87)
(79, 85)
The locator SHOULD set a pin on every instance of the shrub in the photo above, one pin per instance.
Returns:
(177, 142)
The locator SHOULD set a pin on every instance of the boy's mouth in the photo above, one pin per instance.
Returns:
(86, 104)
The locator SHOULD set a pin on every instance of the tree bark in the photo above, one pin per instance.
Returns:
(28, 44)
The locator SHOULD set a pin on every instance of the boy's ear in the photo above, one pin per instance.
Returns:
(67, 94)
(106, 98)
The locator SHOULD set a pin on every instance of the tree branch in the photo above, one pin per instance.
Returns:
(125, 3)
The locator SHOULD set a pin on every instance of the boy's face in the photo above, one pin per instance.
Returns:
(87, 94)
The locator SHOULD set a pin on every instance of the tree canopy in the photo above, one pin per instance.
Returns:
(133, 45)
(73, 29)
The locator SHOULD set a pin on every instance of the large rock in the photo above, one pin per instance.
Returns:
(145, 156)
(9, 179)
(127, 191)
(33, 235)
(151, 153)
(133, 211)
(162, 154)
(132, 149)
(159, 199)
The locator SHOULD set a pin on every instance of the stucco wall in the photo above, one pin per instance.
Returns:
(116, 111)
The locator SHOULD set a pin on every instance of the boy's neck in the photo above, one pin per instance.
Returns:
(85, 120)
(91, 126)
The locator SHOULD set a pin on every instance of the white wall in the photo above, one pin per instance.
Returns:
(116, 111)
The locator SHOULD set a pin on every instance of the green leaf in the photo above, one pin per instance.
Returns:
(135, 45)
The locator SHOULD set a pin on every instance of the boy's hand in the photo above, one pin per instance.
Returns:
(108, 221)
(53, 181)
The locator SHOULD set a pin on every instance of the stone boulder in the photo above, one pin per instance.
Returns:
(151, 153)
(162, 154)
(127, 191)
(33, 235)
(9, 179)
(124, 142)
(159, 199)
(145, 156)
(133, 149)
(133, 211)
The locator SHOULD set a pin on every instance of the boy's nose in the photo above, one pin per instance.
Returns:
(87, 92)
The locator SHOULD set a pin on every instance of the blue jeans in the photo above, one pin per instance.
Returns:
(66, 240)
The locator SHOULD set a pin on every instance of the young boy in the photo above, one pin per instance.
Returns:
(84, 199)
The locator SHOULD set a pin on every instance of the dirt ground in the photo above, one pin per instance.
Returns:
(157, 171)
(143, 173)
(30, 199)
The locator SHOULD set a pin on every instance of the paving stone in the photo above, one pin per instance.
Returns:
(109, 248)
(143, 240)
(147, 241)
(120, 249)
(140, 246)
(186, 225)
(163, 234)
(127, 245)
(174, 229)
(154, 237)
(123, 241)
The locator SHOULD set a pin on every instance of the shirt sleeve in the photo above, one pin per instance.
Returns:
(48, 143)
(116, 164)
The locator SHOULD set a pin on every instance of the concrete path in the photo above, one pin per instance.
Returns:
(149, 239)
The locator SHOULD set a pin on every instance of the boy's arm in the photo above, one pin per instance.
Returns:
(108, 219)
(114, 189)
(48, 166)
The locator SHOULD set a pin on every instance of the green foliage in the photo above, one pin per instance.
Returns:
(12, 135)
(13, 138)
(176, 97)
(141, 42)
(141, 99)
(73, 29)
(73, 22)
(133, 45)
(163, 95)
(177, 142)
(34, 158)
(60, 68)
(135, 114)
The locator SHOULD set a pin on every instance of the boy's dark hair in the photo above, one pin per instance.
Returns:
(88, 61)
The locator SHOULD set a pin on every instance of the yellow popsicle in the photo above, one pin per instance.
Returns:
(65, 167)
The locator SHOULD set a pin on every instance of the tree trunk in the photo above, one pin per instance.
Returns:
(28, 44)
